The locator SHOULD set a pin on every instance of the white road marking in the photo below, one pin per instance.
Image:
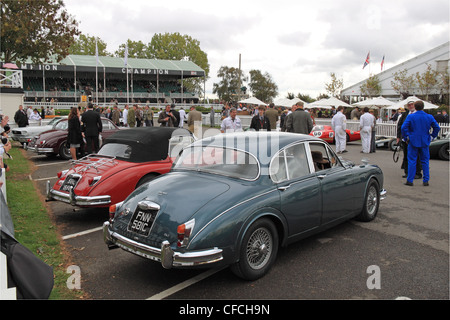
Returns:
(82, 233)
(185, 284)
(40, 179)
(51, 164)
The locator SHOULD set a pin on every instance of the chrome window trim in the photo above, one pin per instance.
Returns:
(222, 174)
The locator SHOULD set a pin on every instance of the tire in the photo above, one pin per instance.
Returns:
(147, 178)
(371, 202)
(64, 152)
(393, 144)
(443, 152)
(258, 250)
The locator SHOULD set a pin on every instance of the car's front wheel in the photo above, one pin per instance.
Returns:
(371, 202)
(258, 250)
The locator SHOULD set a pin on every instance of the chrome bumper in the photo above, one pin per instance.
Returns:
(41, 150)
(75, 200)
(165, 255)
(383, 193)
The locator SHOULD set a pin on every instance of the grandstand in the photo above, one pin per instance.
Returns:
(74, 78)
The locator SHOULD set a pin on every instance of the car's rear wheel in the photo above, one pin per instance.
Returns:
(258, 250)
(444, 152)
(371, 202)
(64, 151)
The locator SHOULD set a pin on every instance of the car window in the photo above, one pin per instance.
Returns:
(219, 160)
(290, 163)
(106, 125)
(118, 150)
(62, 125)
(178, 143)
(323, 157)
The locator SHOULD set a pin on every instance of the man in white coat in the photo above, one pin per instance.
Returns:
(366, 123)
(339, 125)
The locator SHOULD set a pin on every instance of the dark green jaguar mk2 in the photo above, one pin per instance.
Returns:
(233, 199)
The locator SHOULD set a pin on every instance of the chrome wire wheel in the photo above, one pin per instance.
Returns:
(372, 200)
(259, 248)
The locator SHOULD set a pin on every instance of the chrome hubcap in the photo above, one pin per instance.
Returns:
(259, 248)
(372, 199)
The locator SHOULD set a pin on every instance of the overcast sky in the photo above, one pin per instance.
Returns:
(299, 43)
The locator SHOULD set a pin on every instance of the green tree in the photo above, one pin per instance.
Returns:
(85, 45)
(262, 86)
(174, 46)
(371, 87)
(335, 86)
(228, 87)
(403, 83)
(36, 30)
(136, 49)
(427, 81)
(305, 97)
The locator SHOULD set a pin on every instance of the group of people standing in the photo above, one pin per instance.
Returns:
(413, 132)
(22, 116)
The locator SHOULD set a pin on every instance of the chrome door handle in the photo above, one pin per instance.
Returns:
(321, 176)
(283, 188)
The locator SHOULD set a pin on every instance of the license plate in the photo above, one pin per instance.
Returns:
(141, 222)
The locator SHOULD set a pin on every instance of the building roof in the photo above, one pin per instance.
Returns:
(87, 63)
(438, 58)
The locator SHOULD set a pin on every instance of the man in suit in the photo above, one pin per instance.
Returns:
(272, 115)
(91, 128)
(194, 121)
(416, 129)
(402, 141)
(260, 121)
(21, 118)
(300, 121)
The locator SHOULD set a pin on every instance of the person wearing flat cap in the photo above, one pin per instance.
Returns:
(404, 144)
(416, 130)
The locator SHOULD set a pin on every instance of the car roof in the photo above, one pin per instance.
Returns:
(147, 143)
(251, 141)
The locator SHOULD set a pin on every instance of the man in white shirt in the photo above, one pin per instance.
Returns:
(182, 118)
(232, 123)
(35, 115)
(125, 116)
(339, 125)
(366, 123)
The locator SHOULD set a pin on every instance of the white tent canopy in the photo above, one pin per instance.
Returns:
(375, 102)
(285, 102)
(253, 100)
(402, 104)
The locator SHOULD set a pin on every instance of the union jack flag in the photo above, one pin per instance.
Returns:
(367, 60)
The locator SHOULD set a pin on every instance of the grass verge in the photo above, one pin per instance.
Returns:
(33, 224)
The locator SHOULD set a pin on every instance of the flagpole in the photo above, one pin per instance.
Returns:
(96, 71)
(126, 64)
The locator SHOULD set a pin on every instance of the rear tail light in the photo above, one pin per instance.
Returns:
(184, 231)
(93, 180)
(113, 209)
(62, 173)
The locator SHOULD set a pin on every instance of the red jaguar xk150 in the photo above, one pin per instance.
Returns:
(127, 159)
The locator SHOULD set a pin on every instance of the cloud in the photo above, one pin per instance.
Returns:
(297, 42)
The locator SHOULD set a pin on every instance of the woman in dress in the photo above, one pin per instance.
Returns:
(74, 137)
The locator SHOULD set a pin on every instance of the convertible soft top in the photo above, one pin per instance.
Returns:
(147, 143)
